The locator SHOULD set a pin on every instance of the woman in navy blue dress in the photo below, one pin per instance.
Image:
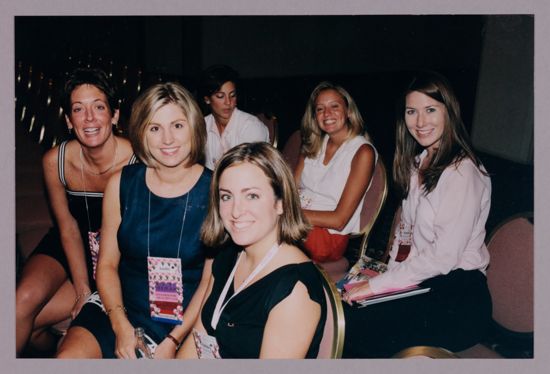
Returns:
(151, 226)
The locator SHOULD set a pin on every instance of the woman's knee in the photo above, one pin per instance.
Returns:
(28, 301)
(79, 343)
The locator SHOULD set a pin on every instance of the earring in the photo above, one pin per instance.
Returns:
(207, 101)
(70, 130)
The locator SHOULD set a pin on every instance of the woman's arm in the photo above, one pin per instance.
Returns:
(361, 171)
(298, 170)
(188, 349)
(69, 232)
(460, 204)
(108, 281)
(291, 325)
(167, 348)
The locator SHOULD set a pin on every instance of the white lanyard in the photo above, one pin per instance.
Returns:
(220, 306)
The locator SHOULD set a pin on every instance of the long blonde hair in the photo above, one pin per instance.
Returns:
(312, 135)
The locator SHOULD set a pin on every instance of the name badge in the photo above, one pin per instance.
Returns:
(207, 345)
(165, 289)
(93, 241)
(405, 241)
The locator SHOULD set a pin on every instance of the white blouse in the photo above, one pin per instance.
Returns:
(241, 128)
(447, 225)
(321, 186)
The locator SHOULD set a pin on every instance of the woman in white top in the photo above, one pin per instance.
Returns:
(226, 126)
(439, 242)
(333, 144)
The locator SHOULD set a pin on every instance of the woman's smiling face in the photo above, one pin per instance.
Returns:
(248, 207)
(168, 136)
(331, 112)
(90, 116)
(425, 119)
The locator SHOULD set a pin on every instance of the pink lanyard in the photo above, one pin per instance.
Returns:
(220, 306)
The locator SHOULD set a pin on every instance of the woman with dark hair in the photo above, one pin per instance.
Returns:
(60, 273)
(265, 298)
(333, 144)
(439, 242)
(152, 271)
(226, 125)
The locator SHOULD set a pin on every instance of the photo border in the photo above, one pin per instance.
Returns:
(541, 10)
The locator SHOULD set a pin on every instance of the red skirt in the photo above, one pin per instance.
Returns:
(322, 246)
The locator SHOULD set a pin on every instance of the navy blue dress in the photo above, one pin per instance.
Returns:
(164, 235)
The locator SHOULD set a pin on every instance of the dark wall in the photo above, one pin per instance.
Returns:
(280, 58)
(312, 45)
(259, 46)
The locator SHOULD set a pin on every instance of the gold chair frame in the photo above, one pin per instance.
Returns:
(339, 323)
(367, 228)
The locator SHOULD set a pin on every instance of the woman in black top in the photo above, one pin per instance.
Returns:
(265, 298)
(59, 275)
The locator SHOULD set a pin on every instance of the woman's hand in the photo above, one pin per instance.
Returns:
(166, 349)
(125, 345)
(357, 293)
(79, 302)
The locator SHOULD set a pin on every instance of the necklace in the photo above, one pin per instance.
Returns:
(101, 172)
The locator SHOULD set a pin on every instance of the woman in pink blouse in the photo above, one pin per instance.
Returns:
(439, 242)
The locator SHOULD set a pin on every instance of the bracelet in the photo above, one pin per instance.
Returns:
(110, 310)
(174, 340)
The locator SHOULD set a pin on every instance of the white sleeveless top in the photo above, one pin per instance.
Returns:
(321, 186)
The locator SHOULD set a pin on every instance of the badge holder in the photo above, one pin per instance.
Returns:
(206, 345)
(165, 289)
(405, 241)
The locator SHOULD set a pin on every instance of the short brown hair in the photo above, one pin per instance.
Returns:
(145, 107)
(292, 224)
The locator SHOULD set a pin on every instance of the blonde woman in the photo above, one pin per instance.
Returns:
(334, 170)
(152, 268)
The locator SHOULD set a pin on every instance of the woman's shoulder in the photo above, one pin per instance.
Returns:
(125, 149)
(204, 179)
(288, 276)
(466, 168)
(225, 258)
(132, 170)
(62, 152)
(466, 165)
(247, 118)
(51, 155)
(297, 267)
(359, 140)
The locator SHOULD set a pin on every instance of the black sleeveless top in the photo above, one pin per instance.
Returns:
(88, 218)
(241, 326)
